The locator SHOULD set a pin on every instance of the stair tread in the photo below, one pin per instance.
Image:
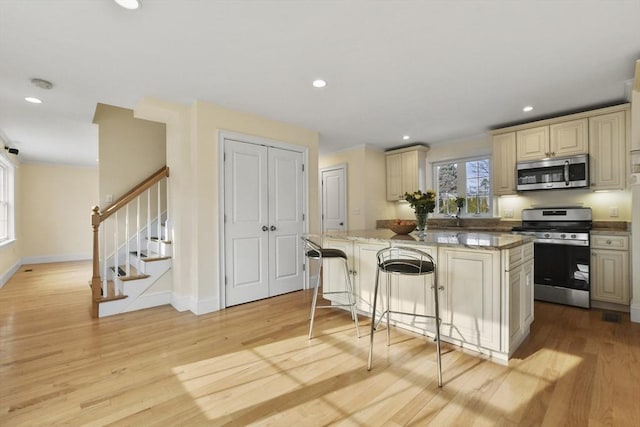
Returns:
(150, 256)
(155, 239)
(133, 273)
(111, 293)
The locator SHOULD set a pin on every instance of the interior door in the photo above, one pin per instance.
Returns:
(246, 222)
(285, 221)
(334, 199)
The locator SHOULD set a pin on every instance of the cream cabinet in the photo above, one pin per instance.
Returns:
(518, 278)
(406, 171)
(610, 268)
(608, 151)
(566, 138)
(504, 164)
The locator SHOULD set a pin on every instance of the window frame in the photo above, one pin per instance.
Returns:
(462, 184)
(7, 199)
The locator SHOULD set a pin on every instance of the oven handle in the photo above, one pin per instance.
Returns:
(566, 172)
(562, 242)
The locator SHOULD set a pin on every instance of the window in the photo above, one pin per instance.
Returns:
(6, 200)
(469, 179)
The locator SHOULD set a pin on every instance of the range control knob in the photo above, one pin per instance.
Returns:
(547, 235)
(573, 236)
(563, 236)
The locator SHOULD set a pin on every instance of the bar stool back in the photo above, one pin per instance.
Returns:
(412, 262)
(314, 251)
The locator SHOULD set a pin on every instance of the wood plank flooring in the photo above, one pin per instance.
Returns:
(253, 365)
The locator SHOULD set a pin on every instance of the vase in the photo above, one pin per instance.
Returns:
(421, 224)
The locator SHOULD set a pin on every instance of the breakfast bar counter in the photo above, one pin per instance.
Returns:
(486, 282)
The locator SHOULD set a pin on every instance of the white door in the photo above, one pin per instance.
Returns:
(263, 221)
(246, 214)
(334, 199)
(285, 221)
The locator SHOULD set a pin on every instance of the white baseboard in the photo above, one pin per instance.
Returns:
(180, 302)
(55, 258)
(9, 273)
(634, 312)
(204, 306)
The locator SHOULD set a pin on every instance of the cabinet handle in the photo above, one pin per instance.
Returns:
(265, 228)
(608, 242)
(273, 228)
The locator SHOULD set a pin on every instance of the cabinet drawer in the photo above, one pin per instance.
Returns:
(520, 254)
(603, 241)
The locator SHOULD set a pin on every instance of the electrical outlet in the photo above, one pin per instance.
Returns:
(109, 198)
(613, 212)
(508, 213)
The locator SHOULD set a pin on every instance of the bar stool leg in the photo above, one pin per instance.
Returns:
(373, 319)
(437, 310)
(350, 296)
(388, 309)
(315, 298)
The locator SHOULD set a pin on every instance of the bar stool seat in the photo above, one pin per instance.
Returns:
(314, 251)
(405, 261)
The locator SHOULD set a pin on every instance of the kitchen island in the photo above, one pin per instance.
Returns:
(486, 301)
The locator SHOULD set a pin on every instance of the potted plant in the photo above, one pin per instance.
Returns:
(422, 204)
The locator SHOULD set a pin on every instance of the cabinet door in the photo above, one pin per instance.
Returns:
(333, 270)
(515, 302)
(569, 138)
(471, 281)
(365, 269)
(610, 276)
(607, 147)
(504, 164)
(409, 172)
(394, 177)
(527, 293)
(532, 144)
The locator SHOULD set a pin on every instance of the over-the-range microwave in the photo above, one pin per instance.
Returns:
(554, 173)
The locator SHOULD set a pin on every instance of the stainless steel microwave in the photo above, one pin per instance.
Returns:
(555, 173)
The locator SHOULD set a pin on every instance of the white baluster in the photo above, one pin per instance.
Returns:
(115, 248)
(127, 256)
(159, 220)
(138, 243)
(148, 221)
(105, 263)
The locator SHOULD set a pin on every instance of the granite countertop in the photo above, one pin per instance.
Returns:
(471, 240)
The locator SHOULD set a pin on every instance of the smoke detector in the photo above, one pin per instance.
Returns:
(42, 83)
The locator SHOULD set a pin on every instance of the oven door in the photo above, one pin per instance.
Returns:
(561, 273)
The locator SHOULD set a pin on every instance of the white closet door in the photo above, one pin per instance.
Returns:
(246, 211)
(285, 218)
(334, 200)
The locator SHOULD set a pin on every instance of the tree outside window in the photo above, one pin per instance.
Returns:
(469, 179)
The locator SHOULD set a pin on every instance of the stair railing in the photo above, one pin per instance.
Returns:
(132, 199)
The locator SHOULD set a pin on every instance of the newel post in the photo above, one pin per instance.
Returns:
(96, 284)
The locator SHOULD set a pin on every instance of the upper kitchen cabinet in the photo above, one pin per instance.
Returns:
(557, 140)
(504, 164)
(608, 149)
(406, 171)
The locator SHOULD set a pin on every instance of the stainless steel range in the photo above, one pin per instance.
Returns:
(561, 253)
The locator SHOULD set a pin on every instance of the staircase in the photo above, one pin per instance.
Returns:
(132, 250)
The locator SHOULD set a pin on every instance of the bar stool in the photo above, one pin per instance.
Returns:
(410, 262)
(314, 251)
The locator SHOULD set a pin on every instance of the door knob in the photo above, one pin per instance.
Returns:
(273, 228)
(265, 228)
(341, 224)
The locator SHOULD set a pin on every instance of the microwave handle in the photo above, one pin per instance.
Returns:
(566, 172)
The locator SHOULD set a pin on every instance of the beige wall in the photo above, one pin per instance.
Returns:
(193, 157)
(129, 149)
(366, 185)
(55, 212)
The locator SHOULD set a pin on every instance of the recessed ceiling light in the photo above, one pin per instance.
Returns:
(129, 4)
(405, 137)
(527, 108)
(33, 100)
(319, 83)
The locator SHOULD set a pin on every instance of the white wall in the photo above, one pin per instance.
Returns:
(193, 158)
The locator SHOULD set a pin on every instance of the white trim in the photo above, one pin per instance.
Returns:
(56, 258)
(224, 135)
(204, 306)
(634, 312)
(9, 273)
(154, 299)
(179, 302)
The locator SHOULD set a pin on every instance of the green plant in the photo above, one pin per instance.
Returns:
(460, 202)
(421, 202)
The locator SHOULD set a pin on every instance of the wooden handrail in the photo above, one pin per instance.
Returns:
(98, 217)
(135, 192)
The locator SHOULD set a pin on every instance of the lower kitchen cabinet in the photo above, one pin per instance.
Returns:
(610, 268)
(486, 301)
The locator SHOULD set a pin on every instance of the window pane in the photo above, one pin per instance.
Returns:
(478, 186)
(447, 187)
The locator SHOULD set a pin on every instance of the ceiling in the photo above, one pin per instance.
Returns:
(439, 71)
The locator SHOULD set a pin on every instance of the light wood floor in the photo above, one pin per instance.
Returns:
(253, 365)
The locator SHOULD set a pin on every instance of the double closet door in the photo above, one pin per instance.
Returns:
(263, 221)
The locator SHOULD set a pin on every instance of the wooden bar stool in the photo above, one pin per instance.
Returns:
(314, 251)
(410, 262)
